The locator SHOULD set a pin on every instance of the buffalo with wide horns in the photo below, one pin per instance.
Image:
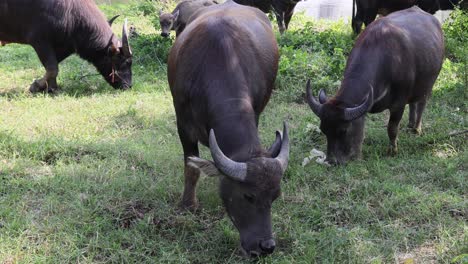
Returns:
(58, 28)
(221, 71)
(394, 62)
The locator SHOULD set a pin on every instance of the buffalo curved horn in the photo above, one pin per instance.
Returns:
(235, 170)
(125, 45)
(283, 156)
(112, 20)
(322, 96)
(314, 105)
(356, 112)
(275, 148)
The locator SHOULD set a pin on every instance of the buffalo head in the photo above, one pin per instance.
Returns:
(116, 64)
(167, 22)
(343, 126)
(248, 190)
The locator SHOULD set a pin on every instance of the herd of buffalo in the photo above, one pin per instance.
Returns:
(221, 72)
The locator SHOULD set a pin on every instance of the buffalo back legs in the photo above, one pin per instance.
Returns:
(49, 60)
(191, 174)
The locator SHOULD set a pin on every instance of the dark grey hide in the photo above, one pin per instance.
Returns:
(58, 28)
(394, 62)
(221, 71)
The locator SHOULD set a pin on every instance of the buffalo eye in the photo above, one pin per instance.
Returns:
(249, 197)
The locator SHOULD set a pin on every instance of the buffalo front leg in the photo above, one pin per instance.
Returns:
(280, 20)
(412, 115)
(420, 106)
(392, 129)
(191, 174)
(48, 59)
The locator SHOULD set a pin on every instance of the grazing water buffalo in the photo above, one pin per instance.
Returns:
(432, 6)
(395, 62)
(58, 28)
(367, 10)
(221, 71)
(178, 18)
(283, 9)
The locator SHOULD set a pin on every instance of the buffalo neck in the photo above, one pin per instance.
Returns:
(363, 72)
(92, 39)
(236, 130)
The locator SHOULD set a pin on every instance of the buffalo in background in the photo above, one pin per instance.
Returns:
(178, 18)
(283, 9)
(365, 11)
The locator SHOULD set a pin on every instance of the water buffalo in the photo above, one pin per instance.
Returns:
(178, 18)
(367, 10)
(58, 28)
(221, 72)
(283, 9)
(395, 62)
(432, 6)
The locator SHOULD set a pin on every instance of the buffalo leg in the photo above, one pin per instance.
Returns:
(49, 82)
(392, 129)
(357, 18)
(412, 115)
(280, 20)
(417, 127)
(191, 175)
(288, 16)
(371, 14)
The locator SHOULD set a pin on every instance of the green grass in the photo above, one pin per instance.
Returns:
(94, 175)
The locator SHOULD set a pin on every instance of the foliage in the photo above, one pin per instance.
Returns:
(456, 34)
(317, 51)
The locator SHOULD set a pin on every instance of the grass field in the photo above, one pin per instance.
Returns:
(94, 175)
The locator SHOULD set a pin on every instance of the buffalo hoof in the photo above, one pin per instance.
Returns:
(37, 88)
(191, 206)
(392, 151)
(417, 131)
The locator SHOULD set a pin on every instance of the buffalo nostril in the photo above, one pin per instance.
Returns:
(164, 34)
(268, 246)
(331, 160)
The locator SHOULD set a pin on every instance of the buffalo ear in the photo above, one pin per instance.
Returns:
(160, 12)
(175, 16)
(204, 166)
(113, 50)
